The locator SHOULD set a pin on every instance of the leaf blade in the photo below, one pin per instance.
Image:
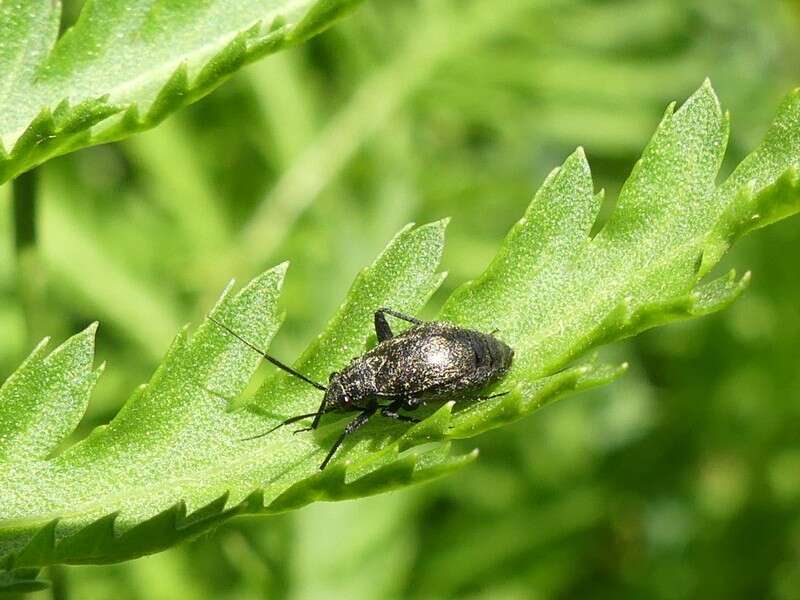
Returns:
(172, 463)
(140, 60)
(175, 448)
(37, 410)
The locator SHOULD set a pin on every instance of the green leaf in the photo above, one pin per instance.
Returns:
(126, 65)
(173, 463)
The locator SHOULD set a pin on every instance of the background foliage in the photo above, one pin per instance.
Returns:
(679, 480)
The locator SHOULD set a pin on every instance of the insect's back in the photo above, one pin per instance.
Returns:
(436, 358)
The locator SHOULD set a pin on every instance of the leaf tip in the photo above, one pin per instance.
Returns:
(172, 95)
(41, 345)
(277, 23)
(223, 296)
(579, 156)
(405, 229)
(707, 90)
(430, 429)
(704, 98)
(441, 223)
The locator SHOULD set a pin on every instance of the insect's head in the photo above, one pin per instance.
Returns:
(337, 395)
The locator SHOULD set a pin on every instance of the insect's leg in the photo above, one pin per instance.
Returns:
(352, 426)
(413, 402)
(391, 411)
(320, 412)
(382, 329)
(398, 417)
(492, 396)
(399, 315)
(313, 426)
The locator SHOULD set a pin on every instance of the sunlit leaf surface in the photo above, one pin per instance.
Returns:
(172, 463)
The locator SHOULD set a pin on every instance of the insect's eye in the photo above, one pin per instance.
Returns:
(332, 375)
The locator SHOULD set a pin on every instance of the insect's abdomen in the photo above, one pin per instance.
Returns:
(491, 359)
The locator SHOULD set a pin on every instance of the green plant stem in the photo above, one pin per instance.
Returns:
(24, 209)
(59, 584)
(31, 275)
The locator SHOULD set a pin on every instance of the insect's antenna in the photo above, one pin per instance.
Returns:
(274, 361)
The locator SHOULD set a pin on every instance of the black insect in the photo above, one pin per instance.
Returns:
(432, 360)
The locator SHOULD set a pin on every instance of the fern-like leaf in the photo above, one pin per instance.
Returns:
(126, 65)
(172, 463)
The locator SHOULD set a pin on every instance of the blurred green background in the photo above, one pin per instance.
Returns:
(682, 480)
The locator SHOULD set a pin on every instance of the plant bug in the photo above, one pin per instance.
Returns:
(432, 360)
